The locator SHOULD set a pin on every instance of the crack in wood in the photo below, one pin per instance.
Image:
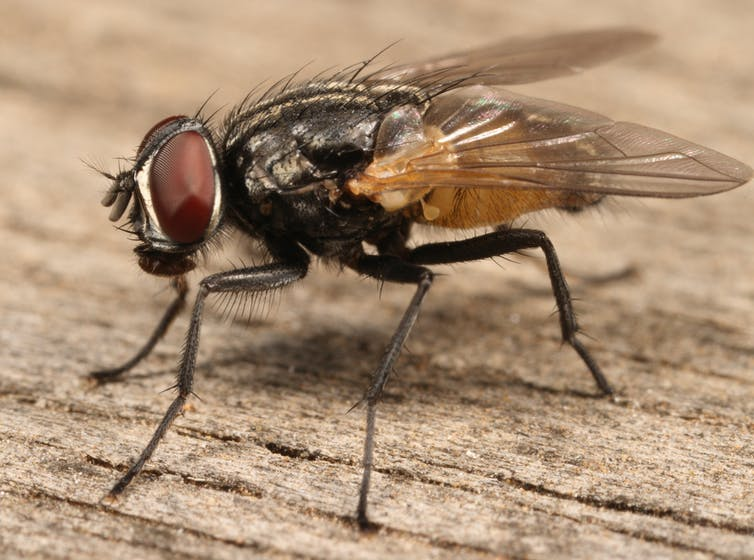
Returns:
(38, 494)
(684, 518)
(349, 521)
(632, 533)
(302, 453)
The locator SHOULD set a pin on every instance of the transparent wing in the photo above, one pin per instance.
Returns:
(520, 60)
(486, 138)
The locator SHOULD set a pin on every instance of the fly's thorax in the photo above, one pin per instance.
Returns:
(298, 156)
(289, 159)
(306, 135)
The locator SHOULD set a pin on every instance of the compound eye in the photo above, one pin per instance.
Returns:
(182, 187)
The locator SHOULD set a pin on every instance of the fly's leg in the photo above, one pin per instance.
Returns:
(256, 279)
(176, 306)
(390, 269)
(509, 241)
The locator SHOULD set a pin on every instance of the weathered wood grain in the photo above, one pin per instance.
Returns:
(491, 442)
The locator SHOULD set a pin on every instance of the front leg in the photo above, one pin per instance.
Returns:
(390, 269)
(509, 241)
(247, 280)
(112, 374)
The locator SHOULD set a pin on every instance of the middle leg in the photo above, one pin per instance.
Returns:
(390, 269)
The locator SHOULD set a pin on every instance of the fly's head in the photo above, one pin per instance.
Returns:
(175, 184)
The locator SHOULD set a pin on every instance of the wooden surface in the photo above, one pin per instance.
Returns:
(490, 440)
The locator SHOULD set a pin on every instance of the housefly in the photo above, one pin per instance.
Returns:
(342, 168)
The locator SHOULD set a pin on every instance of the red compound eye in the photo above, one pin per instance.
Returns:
(182, 185)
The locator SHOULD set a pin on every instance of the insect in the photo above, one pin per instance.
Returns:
(341, 169)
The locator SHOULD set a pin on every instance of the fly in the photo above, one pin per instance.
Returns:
(328, 168)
